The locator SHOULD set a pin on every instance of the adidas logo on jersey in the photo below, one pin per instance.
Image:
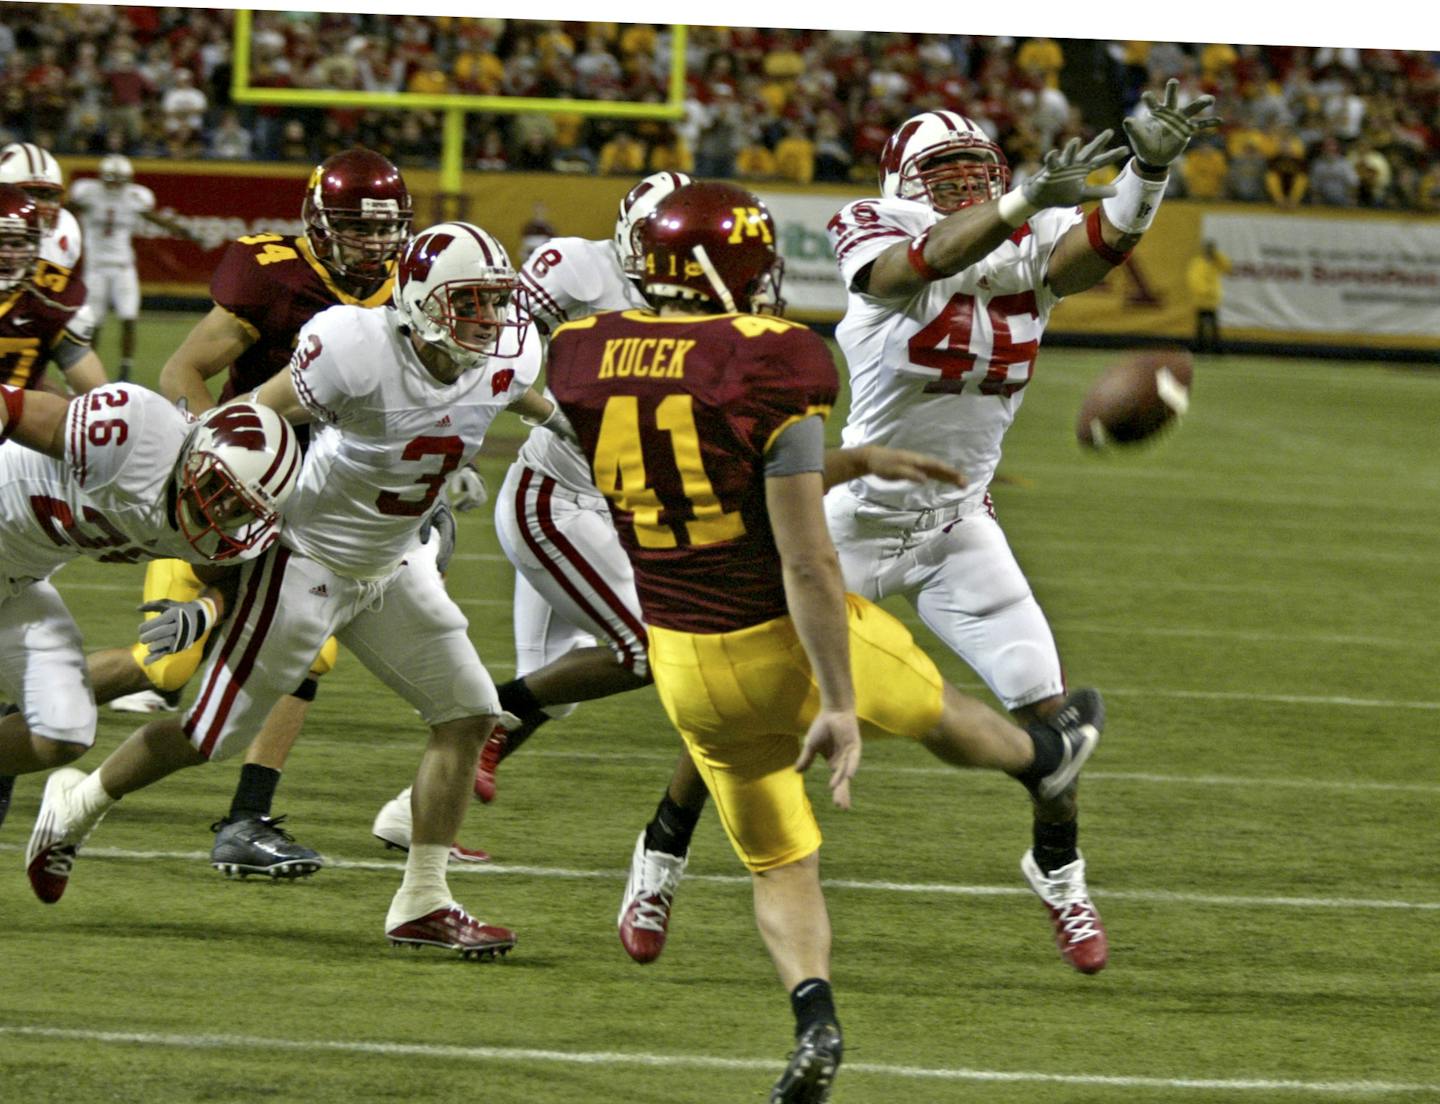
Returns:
(443, 422)
(321, 591)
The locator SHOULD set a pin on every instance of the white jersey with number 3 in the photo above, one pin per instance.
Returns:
(941, 371)
(112, 215)
(398, 433)
(569, 279)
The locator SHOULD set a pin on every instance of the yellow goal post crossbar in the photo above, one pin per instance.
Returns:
(454, 105)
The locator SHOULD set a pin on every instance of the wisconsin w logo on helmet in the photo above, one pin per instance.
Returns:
(238, 427)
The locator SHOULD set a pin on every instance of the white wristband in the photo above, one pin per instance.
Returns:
(1132, 208)
(1014, 208)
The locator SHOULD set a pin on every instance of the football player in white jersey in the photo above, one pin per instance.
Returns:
(119, 475)
(111, 208)
(402, 397)
(951, 279)
(37, 172)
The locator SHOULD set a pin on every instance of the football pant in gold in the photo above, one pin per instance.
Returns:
(176, 580)
(743, 701)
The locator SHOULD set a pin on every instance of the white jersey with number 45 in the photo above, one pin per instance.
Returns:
(397, 433)
(941, 371)
(569, 279)
(112, 215)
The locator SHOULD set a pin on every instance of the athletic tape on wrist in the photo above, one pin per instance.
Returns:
(1132, 208)
(14, 408)
(1014, 208)
(1095, 232)
(916, 256)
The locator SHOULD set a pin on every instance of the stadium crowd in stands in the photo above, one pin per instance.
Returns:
(1303, 125)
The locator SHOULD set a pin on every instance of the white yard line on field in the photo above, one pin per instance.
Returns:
(940, 889)
(643, 1060)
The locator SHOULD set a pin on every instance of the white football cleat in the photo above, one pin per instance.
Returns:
(146, 701)
(644, 919)
(1079, 933)
(392, 828)
(60, 829)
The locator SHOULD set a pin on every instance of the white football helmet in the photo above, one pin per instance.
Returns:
(36, 171)
(639, 201)
(116, 170)
(239, 464)
(943, 159)
(456, 288)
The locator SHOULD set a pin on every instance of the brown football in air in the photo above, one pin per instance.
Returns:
(1136, 398)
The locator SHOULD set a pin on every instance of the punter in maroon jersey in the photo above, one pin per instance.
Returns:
(703, 424)
(40, 313)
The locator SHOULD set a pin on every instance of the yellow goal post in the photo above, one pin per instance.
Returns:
(456, 105)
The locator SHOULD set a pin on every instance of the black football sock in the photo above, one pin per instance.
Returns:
(1055, 844)
(255, 791)
(1049, 753)
(517, 698)
(812, 1002)
(671, 827)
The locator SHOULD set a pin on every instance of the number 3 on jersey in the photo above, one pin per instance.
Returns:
(620, 475)
(957, 346)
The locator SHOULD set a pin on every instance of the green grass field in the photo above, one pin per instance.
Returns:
(1256, 595)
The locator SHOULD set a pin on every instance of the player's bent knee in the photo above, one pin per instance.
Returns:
(62, 748)
(172, 672)
(1023, 672)
(325, 661)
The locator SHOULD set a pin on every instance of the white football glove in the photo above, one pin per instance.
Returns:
(1159, 132)
(466, 488)
(439, 524)
(1061, 179)
(178, 626)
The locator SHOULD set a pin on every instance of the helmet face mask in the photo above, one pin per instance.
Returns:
(635, 208)
(714, 244)
(19, 237)
(457, 291)
(38, 174)
(945, 160)
(239, 464)
(357, 214)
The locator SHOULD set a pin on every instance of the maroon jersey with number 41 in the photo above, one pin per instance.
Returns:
(676, 414)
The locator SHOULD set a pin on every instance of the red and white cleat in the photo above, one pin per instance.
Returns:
(1079, 933)
(57, 836)
(490, 756)
(452, 928)
(644, 918)
(392, 828)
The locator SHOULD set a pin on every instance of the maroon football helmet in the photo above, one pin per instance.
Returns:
(19, 236)
(357, 215)
(714, 243)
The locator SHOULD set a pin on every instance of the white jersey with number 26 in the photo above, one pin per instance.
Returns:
(941, 371)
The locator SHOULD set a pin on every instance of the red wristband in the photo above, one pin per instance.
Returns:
(14, 408)
(1107, 252)
(916, 255)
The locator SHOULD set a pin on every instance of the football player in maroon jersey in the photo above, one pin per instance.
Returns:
(357, 213)
(40, 316)
(703, 421)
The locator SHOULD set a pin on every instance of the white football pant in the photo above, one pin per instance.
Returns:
(112, 287)
(42, 665)
(574, 584)
(962, 579)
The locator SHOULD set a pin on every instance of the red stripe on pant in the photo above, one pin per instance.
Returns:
(242, 671)
(576, 561)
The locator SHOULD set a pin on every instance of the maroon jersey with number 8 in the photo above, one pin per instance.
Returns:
(676, 415)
